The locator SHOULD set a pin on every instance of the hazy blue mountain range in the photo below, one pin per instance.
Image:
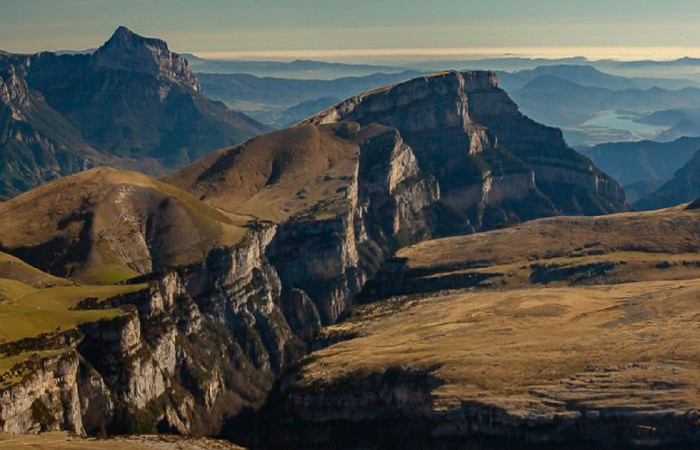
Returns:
(297, 69)
(683, 187)
(282, 101)
(641, 167)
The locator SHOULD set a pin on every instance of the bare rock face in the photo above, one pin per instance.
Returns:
(332, 249)
(47, 398)
(493, 164)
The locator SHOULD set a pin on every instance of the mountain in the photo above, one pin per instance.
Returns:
(682, 188)
(131, 104)
(587, 75)
(630, 162)
(267, 98)
(105, 225)
(559, 101)
(678, 122)
(494, 164)
(296, 113)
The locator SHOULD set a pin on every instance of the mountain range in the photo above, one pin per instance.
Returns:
(641, 167)
(130, 104)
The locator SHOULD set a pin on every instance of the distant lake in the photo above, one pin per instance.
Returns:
(624, 121)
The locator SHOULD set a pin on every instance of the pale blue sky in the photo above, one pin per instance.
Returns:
(292, 25)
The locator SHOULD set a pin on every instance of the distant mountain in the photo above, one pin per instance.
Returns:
(303, 110)
(632, 162)
(586, 75)
(131, 104)
(233, 88)
(557, 101)
(297, 69)
(681, 122)
(682, 188)
(266, 98)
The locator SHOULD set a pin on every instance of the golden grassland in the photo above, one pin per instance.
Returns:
(125, 220)
(274, 176)
(656, 245)
(63, 441)
(15, 269)
(533, 351)
(28, 312)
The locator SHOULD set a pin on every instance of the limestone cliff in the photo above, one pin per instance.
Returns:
(493, 164)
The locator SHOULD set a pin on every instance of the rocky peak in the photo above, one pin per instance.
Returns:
(126, 50)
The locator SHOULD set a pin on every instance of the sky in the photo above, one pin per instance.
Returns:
(333, 29)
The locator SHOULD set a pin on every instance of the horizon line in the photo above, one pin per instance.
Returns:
(591, 53)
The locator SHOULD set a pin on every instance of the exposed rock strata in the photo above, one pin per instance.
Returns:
(493, 163)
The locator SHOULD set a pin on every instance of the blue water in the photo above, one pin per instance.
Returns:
(617, 121)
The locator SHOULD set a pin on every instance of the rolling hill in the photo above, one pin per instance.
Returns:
(105, 225)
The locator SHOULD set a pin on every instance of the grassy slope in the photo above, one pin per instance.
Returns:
(28, 312)
(657, 245)
(274, 176)
(104, 225)
(15, 269)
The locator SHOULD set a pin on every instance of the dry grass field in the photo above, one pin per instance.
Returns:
(656, 245)
(534, 352)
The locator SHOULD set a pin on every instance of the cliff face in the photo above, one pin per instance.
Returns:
(127, 51)
(493, 164)
(190, 351)
(331, 250)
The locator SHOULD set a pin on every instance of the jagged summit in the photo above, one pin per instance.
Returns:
(127, 50)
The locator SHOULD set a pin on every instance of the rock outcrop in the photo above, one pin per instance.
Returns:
(199, 344)
(494, 164)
